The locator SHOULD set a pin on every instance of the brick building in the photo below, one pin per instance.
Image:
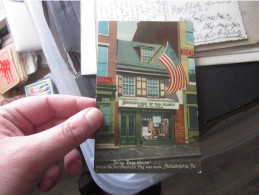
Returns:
(106, 80)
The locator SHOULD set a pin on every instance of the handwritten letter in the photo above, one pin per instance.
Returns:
(213, 21)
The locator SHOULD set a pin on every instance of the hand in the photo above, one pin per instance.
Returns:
(36, 133)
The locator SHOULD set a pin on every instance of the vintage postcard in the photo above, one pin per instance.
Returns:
(43, 87)
(146, 90)
(8, 73)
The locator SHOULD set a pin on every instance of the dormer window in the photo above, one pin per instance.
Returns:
(147, 54)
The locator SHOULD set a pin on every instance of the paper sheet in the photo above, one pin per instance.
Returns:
(214, 21)
(88, 38)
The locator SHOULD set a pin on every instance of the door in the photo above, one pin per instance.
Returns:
(127, 130)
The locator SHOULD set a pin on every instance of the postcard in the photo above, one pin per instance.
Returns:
(8, 73)
(146, 90)
(43, 87)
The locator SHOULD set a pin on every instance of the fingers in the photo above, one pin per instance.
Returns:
(53, 144)
(73, 163)
(29, 112)
(50, 178)
(49, 124)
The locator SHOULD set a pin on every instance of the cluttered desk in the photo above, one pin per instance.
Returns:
(226, 59)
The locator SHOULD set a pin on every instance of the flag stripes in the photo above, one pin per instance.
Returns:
(175, 69)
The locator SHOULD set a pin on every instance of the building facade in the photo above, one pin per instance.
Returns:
(190, 94)
(146, 115)
(180, 37)
(132, 85)
(106, 80)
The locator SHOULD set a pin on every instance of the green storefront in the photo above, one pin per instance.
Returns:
(146, 122)
(106, 103)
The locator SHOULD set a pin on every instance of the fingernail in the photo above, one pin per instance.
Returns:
(94, 118)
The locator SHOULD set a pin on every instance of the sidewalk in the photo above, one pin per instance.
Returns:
(147, 152)
(148, 159)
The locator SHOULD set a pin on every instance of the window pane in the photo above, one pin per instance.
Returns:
(128, 86)
(102, 61)
(101, 70)
(106, 114)
(191, 99)
(189, 32)
(191, 69)
(189, 27)
(157, 119)
(146, 118)
(103, 27)
(102, 54)
(152, 88)
(155, 126)
(147, 54)
(165, 128)
(189, 37)
(193, 116)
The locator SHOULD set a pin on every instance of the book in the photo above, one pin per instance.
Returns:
(146, 90)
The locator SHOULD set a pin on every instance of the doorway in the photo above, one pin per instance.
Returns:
(127, 129)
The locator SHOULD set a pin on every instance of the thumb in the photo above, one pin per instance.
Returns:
(51, 145)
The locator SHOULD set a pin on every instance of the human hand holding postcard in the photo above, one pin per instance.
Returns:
(146, 89)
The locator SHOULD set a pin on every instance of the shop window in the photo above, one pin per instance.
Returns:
(155, 126)
(103, 27)
(189, 32)
(147, 55)
(128, 86)
(152, 88)
(102, 61)
(191, 70)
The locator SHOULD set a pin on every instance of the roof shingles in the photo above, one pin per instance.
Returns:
(129, 59)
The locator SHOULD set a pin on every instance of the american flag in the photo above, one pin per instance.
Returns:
(175, 69)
